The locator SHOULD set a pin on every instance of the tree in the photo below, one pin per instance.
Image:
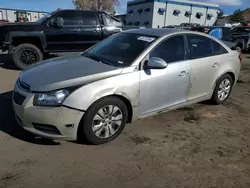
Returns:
(99, 5)
(220, 14)
(237, 17)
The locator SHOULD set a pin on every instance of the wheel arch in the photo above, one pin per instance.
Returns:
(224, 73)
(128, 105)
(122, 98)
(19, 37)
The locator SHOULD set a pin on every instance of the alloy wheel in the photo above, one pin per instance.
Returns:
(224, 89)
(28, 56)
(107, 121)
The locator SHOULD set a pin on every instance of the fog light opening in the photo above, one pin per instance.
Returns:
(69, 125)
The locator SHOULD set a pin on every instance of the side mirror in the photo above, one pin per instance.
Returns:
(56, 22)
(59, 22)
(156, 63)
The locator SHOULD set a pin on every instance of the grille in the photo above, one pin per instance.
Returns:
(18, 98)
(23, 85)
(50, 129)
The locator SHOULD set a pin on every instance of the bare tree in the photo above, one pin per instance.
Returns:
(99, 5)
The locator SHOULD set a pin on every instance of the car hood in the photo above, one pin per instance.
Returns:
(65, 72)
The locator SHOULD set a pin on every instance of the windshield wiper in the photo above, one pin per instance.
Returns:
(96, 58)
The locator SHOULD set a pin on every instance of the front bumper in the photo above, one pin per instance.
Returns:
(59, 123)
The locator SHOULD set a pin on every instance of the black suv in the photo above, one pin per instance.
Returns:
(60, 31)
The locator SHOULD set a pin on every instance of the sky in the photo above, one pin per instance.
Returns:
(228, 6)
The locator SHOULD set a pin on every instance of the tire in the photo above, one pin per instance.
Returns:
(215, 98)
(98, 136)
(25, 55)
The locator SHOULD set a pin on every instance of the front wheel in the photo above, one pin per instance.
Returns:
(223, 89)
(104, 120)
(25, 55)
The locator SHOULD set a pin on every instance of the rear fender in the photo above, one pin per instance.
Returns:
(37, 34)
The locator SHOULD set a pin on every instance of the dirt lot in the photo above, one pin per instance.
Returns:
(198, 146)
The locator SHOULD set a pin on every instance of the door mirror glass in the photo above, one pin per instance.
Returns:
(156, 63)
(59, 22)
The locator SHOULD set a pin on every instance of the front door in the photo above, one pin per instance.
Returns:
(162, 88)
(80, 31)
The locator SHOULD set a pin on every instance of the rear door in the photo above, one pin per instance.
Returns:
(205, 60)
(89, 31)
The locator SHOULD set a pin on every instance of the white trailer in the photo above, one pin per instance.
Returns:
(11, 14)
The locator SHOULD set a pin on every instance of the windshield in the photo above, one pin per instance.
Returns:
(119, 50)
(42, 19)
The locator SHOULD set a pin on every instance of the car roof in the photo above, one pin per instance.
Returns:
(153, 31)
(212, 27)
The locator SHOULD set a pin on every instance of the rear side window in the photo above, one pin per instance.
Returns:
(89, 18)
(200, 46)
(218, 49)
(78, 18)
(170, 50)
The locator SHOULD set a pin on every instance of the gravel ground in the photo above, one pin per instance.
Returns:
(198, 146)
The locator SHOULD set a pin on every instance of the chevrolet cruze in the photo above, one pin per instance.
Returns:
(128, 76)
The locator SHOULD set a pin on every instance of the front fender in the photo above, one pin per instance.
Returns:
(126, 85)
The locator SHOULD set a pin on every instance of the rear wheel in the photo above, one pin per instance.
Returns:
(104, 120)
(223, 89)
(25, 55)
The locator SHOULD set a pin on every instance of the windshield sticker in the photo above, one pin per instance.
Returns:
(146, 39)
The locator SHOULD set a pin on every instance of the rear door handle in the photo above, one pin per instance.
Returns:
(183, 73)
(215, 65)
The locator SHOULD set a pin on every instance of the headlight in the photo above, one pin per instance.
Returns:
(50, 99)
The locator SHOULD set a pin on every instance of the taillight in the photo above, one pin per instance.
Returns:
(240, 57)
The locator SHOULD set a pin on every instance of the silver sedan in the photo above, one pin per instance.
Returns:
(128, 76)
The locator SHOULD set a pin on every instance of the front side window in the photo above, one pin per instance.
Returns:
(200, 46)
(171, 50)
(120, 50)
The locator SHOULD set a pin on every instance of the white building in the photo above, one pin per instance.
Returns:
(159, 13)
(10, 14)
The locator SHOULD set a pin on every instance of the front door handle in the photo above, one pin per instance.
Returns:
(183, 73)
